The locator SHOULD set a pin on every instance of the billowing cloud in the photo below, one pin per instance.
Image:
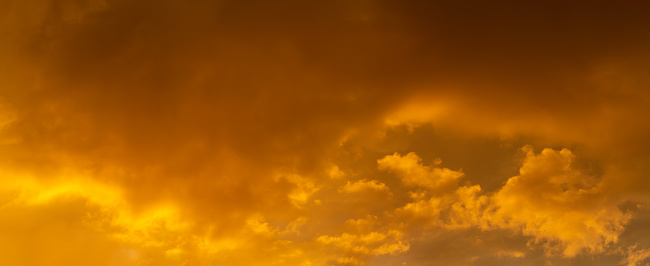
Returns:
(323, 132)
(559, 205)
(412, 172)
(366, 238)
(635, 256)
(363, 185)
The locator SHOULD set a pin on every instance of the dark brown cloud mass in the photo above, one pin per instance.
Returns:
(324, 132)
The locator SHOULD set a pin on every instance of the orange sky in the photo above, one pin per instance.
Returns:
(344, 132)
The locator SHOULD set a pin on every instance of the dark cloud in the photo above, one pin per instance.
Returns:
(228, 111)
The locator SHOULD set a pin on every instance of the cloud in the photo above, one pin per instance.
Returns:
(302, 191)
(559, 205)
(468, 208)
(241, 132)
(513, 254)
(366, 245)
(420, 213)
(363, 185)
(412, 172)
(635, 256)
(87, 223)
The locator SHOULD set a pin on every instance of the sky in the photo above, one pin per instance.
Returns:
(341, 132)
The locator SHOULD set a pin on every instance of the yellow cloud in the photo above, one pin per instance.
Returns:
(421, 213)
(635, 256)
(372, 243)
(468, 208)
(303, 189)
(216, 133)
(509, 253)
(363, 185)
(413, 173)
(558, 205)
(100, 213)
(335, 172)
(363, 239)
(101, 218)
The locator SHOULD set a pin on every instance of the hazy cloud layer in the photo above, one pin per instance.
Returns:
(324, 133)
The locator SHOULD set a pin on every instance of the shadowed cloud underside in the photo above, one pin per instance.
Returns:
(324, 132)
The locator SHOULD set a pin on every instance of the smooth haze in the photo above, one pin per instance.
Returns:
(343, 132)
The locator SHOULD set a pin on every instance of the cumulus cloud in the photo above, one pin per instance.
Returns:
(560, 207)
(421, 213)
(634, 256)
(250, 132)
(366, 245)
(553, 202)
(412, 172)
(363, 185)
(468, 208)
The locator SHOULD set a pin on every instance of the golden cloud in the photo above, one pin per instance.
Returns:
(413, 173)
(314, 133)
(552, 201)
